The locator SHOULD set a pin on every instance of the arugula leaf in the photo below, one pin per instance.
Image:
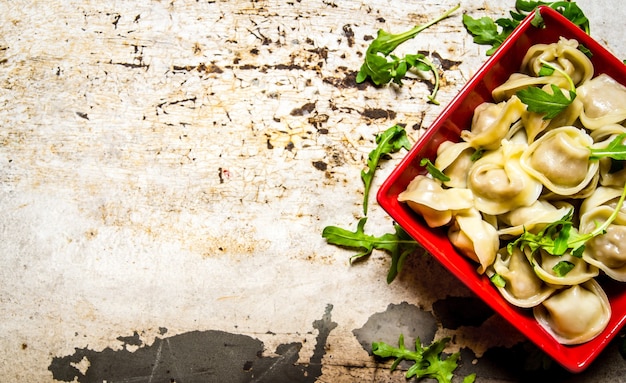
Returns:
(357, 239)
(422, 63)
(486, 31)
(537, 20)
(546, 71)
(390, 141)
(428, 362)
(382, 67)
(398, 244)
(585, 50)
(498, 280)
(562, 268)
(477, 155)
(559, 237)
(615, 150)
(540, 101)
(552, 238)
(569, 9)
(573, 13)
(406, 246)
(433, 171)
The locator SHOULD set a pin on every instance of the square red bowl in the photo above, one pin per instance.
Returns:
(456, 117)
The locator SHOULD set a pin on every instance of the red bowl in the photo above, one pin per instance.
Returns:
(448, 126)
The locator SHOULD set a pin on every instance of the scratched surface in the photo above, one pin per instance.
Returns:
(166, 170)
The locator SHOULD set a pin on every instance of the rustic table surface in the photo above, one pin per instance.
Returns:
(167, 168)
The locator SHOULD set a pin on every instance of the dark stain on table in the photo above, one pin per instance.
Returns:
(196, 356)
(219, 356)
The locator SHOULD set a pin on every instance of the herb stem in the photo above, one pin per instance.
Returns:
(562, 72)
(402, 37)
(579, 241)
(435, 71)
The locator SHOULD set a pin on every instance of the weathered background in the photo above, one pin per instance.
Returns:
(166, 170)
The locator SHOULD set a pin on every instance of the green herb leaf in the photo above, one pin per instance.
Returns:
(553, 238)
(498, 281)
(486, 31)
(537, 20)
(540, 101)
(422, 63)
(428, 361)
(382, 67)
(399, 244)
(615, 150)
(390, 141)
(357, 239)
(585, 50)
(477, 155)
(573, 13)
(433, 171)
(546, 70)
(559, 237)
(405, 247)
(528, 6)
(562, 268)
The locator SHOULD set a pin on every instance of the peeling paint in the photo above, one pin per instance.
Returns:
(196, 357)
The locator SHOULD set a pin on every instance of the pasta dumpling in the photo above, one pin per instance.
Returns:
(560, 160)
(575, 314)
(602, 197)
(563, 54)
(522, 286)
(475, 238)
(544, 264)
(607, 251)
(604, 102)
(499, 183)
(436, 204)
(454, 160)
(531, 218)
(491, 123)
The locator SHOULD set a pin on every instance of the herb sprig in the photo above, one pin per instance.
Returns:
(398, 244)
(560, 236)
(539, 101)
(433, 171)
(390, 141)
(487, 31)
(383, 67)
(428, 361)
(615, 150)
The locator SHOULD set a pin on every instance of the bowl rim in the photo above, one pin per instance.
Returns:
(573, 358)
